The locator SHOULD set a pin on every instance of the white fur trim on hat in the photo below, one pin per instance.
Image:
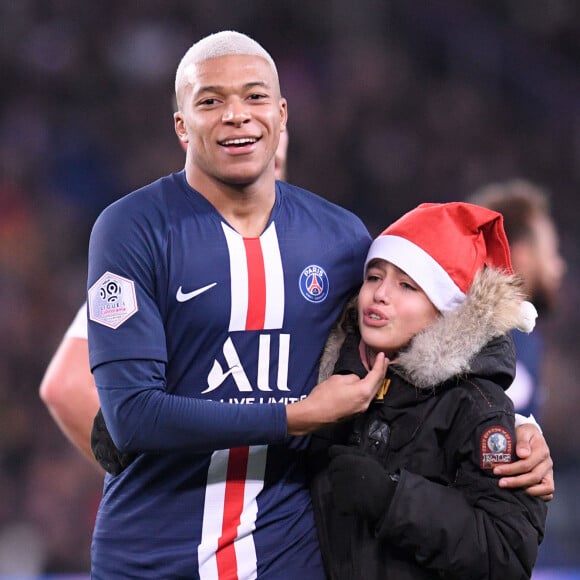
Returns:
(421, 267)
(528, 315)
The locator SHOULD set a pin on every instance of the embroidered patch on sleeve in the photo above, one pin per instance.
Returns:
(112, 300)
(495, 447)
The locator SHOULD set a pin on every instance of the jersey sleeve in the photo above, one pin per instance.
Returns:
(78, 327)
(142, 417)
(125, 250)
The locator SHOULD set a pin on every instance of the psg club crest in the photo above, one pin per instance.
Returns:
(495, 447)
(314, 285)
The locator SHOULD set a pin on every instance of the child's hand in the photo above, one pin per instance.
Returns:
(360, 484)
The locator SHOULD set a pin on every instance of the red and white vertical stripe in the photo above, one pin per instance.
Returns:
(235, 478)
(257, 280)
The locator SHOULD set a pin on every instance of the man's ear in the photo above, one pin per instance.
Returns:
(180, 129)
(283, 114)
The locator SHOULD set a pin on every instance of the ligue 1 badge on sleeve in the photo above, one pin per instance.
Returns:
(495, 447)
(112, 300)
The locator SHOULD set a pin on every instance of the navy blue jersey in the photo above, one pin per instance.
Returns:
(526, 391)
(185, 315)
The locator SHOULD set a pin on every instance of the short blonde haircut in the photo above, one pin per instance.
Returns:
(224, 43)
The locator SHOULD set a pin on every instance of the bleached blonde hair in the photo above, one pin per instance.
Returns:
(224, 43)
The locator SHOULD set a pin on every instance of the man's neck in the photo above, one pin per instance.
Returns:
(246, 208)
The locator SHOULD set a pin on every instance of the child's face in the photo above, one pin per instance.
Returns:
(392, 308)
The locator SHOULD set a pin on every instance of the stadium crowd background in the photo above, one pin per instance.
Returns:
(391, 103)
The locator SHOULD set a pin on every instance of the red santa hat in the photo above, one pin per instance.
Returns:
(442, 246)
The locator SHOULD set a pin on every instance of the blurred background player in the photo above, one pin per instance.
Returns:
(68, 389)
(534, 245)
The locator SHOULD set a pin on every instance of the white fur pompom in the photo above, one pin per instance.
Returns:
(527, 318)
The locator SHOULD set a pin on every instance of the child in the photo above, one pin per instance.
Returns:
(410, 492)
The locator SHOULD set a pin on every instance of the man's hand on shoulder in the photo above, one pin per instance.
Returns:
(534, 469)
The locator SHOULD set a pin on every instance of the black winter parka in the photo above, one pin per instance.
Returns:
(448, 517)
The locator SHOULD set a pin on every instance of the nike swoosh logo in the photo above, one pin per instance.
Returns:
(185, 296)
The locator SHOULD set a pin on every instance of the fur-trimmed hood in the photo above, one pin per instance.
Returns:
(447, 347)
